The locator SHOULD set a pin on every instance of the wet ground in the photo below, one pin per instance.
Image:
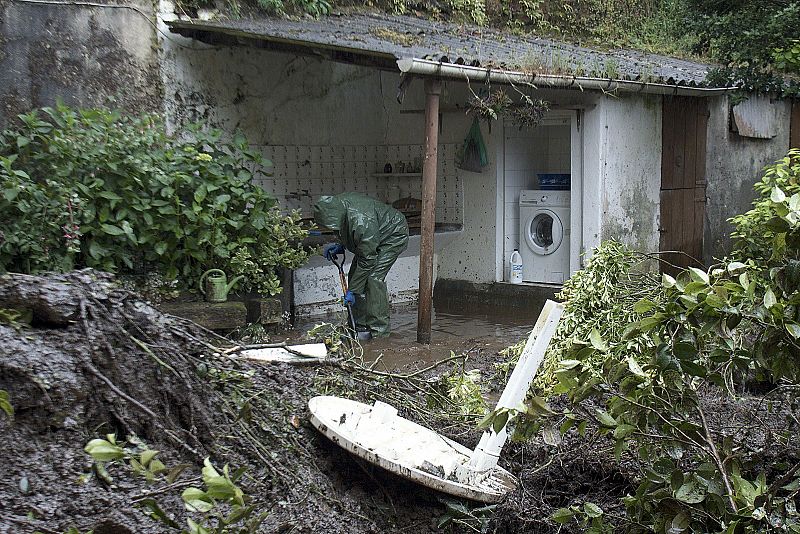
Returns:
(473, 331)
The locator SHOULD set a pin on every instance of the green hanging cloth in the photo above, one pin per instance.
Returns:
(475, 157)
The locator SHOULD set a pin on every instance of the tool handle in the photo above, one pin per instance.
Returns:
(339, 264)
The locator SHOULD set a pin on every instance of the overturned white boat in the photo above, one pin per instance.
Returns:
(377, 434)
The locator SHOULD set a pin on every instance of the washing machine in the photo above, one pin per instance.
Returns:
(544, 235)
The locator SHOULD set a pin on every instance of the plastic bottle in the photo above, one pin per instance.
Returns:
(516, 267)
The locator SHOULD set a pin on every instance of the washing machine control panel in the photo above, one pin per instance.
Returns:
(538, 197)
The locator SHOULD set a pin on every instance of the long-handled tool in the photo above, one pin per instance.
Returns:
(351, 318)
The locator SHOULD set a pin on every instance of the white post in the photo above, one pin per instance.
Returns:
(488, 450)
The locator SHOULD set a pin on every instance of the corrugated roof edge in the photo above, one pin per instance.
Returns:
(425, 67)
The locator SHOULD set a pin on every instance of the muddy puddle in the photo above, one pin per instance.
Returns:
(458, 331)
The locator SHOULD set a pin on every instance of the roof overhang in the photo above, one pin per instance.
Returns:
(424, 67)
(216, 34)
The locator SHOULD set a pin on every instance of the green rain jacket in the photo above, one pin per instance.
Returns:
(365, 226)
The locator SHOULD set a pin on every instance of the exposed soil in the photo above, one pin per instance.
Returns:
(97, 360)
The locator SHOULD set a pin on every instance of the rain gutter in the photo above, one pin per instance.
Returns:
(426, 67)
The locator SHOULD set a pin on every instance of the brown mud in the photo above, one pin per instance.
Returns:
(451, 330)
(96, 360)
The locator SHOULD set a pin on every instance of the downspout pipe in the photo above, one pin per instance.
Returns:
(426, 67)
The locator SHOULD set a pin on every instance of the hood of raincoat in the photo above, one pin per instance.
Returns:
(330, 212)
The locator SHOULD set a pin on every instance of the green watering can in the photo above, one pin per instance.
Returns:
(216, 285)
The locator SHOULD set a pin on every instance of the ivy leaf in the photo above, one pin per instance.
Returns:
(486, 422)
(635, 368)
(5, 403)
(769, 299)
(109, 195)
(733, 268)
(592, 510)
(196, 500)
(538, 406)
(680, 522)
(623, 431)
(200, 194)
(777, 195)
(562, 515)
(195, 528)
(698, 275)
(147, 456)
(500, 421)
(793, 329)
(794, 202)
(597, 340)
(551, 436)
(112, 229)
(10, 194)
(690, 493)
(644, 306)
(103, 451)
(605, 419)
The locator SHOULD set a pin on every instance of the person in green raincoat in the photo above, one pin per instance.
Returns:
(376, 234)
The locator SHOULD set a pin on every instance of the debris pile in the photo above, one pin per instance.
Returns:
(85, 358)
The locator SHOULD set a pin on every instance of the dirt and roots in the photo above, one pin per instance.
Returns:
(92, 359)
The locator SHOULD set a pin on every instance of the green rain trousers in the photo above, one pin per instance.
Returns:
(376, 234)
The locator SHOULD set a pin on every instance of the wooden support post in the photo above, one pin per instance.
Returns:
(433, 88)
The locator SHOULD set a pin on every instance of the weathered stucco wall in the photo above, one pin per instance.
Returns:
(470, 255)
(82, 55)
(733, 165)
(630, 169)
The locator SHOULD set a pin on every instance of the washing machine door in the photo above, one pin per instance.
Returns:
(544, 232)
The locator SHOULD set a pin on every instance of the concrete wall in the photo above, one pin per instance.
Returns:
(733, 165)
(629, 169)
(82, 55)
(619, 148)
(470, 255)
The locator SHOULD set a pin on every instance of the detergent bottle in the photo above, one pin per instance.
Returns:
(516, 267)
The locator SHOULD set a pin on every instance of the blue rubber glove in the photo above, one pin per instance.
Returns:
(331, 250)
(349, 298)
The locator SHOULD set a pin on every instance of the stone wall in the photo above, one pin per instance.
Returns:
(85, 56)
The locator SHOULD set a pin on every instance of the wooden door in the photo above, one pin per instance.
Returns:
(683, 182)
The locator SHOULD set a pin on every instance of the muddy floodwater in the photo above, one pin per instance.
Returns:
(478, 332)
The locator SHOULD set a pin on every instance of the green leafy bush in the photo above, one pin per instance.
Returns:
(704, 454)
(770, 231)
(95, 188)
(787, 58)
(751, 39)
(219, 507)
(599, 303)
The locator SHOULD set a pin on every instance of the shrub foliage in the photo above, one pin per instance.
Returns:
(98, 189)
(666, 379)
